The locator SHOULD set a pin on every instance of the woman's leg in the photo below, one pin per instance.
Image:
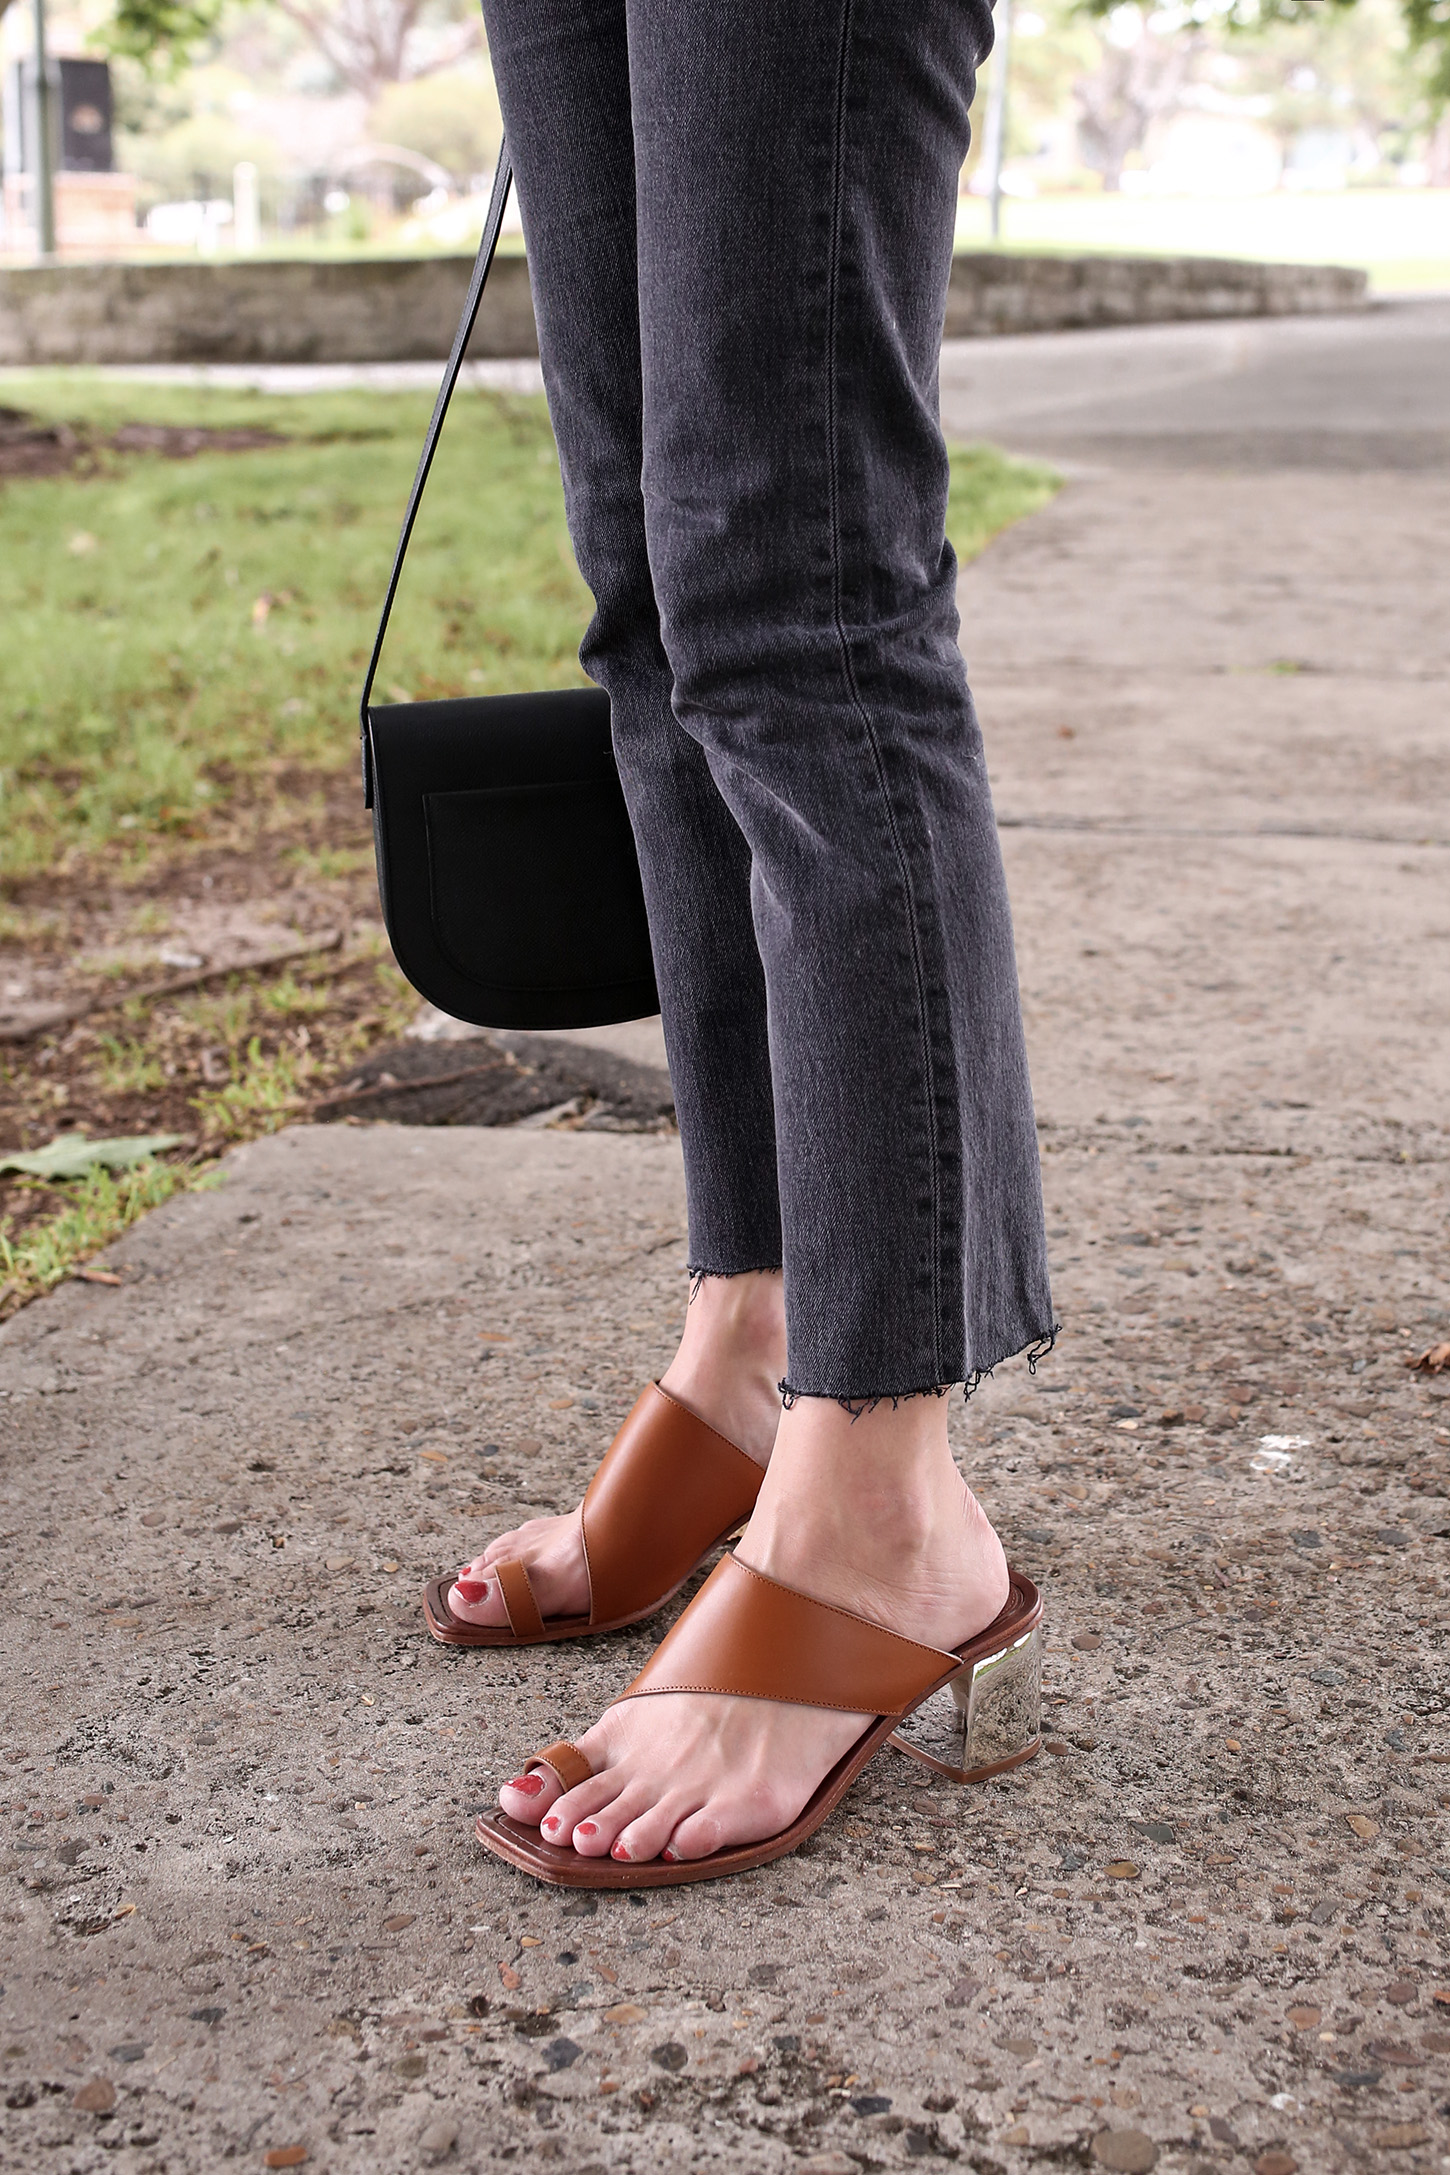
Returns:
(563, 75)
(797, 188)
(797, 173)
(564, 84)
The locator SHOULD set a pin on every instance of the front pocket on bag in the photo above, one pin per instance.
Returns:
(537, 887)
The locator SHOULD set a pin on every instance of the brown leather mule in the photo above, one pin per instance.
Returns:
(668, 1492)
(745, 1634)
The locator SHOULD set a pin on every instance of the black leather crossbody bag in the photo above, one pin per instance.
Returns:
(507, 867)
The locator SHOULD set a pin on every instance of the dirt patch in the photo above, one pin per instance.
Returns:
(501, 1079)
(247, 1047)
(218, 1064)
(222, 991)
(30, 447)
(181, 442)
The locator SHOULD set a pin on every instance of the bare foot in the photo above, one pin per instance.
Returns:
(726, 1371)
(870, 1514)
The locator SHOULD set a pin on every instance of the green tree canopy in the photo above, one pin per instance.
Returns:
(1426, 21)
(367, 44)
(162, 34)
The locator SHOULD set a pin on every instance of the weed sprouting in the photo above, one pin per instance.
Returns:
(128, 1068)
(96, 1210)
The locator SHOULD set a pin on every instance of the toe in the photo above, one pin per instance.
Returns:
(749, 1817)
(579, 1804)
(580, 1809)
(529, 1796)
(697, 1836)
(475, 1596)
(504, 1544)
(476, 1600)
(596, 1834)
(647, 1836)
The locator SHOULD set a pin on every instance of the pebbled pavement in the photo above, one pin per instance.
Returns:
(1207, 1928)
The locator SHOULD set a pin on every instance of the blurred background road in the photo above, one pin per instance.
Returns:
(1367, 391)
(1213, 676)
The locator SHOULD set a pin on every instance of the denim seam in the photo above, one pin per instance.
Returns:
(849, 671)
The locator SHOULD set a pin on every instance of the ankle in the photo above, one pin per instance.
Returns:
(904, 1529)
(891, 1464)
(737, 1398)
(742, 1315)
(934, 1572)
(731, 1358)
(879, 1506)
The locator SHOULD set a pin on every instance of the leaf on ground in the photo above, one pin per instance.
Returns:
(1435, 1361)
(71, 1155)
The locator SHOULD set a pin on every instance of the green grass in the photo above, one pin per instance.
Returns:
(183, 634)
(126, 1068)
(96, 1210)
(175, 627)
(281, 1040)
(989, 492)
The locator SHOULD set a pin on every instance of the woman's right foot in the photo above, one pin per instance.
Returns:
(727, 1371)
(869, 1516)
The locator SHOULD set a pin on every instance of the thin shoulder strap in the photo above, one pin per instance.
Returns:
(502, 177)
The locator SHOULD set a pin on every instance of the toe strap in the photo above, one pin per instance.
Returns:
(566, 1761)
(525, 1620)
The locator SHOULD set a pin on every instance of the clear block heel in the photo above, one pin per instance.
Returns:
(988, 1719)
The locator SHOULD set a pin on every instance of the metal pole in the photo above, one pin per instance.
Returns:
(43, 163)
(995, 144)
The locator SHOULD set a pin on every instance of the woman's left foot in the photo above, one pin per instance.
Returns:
(725, 1372)
(869, 1514)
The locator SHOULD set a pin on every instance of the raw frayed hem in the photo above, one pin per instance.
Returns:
(1037, 1350)
(698, 1276)
(856, 1406)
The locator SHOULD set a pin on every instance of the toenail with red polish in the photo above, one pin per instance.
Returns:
(669, 1857)
(552, 1821)
(528, 1785)
(586, 1827)
(619, 1851)
(472, 1591)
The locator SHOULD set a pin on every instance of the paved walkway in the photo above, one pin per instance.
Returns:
(1207, 1929)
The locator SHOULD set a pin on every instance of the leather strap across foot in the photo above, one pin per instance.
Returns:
(746, 1634)
(668, 1490)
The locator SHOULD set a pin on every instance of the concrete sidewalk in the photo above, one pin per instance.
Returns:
(1207, 1929)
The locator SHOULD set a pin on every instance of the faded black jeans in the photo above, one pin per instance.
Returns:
(739, 219)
